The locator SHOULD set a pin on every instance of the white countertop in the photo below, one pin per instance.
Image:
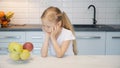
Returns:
(82, 61)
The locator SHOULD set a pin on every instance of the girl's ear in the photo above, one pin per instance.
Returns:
(59, 23)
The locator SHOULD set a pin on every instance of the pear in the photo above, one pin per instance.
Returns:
(15, 56)
(25, 55)
(15, 47)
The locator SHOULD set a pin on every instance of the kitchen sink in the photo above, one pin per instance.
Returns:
(91, 26)
(115, 26)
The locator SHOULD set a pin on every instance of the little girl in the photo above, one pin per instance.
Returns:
(59, 33)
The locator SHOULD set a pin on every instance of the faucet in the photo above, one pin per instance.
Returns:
(94, 16)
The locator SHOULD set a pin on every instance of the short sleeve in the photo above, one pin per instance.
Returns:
(69, 36)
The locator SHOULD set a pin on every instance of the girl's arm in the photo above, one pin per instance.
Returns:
(44, 49)
(60, 50)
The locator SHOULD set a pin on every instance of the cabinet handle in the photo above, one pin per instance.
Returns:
(9, 37)
(116, 37)
(37, 37)
(89, 37)
(37, 48)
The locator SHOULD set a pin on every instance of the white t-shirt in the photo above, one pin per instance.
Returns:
(64, 35)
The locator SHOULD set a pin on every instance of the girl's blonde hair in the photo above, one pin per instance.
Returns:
(57, 15)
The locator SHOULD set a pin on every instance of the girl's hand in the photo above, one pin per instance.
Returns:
(54, 32)
(47, 35)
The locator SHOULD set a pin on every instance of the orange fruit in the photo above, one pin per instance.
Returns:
(2, 14)
(4, 23)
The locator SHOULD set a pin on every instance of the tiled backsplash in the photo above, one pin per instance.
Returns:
(29, 11)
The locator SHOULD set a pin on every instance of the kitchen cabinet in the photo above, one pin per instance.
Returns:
(7, 37)
(90, 43)
(113, 43)
(36, 37)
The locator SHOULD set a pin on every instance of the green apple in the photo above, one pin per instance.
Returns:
(15, 56)
(25, 55)
(15, 47)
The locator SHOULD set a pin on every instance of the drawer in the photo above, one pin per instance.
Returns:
(3, 48)
(12, 36)
(34, 37)
(89, 35)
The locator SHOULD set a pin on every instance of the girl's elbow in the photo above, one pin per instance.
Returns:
(43, 56)
(60, 56)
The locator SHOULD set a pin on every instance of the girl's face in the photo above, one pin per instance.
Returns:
(49, 21)
(47, 26)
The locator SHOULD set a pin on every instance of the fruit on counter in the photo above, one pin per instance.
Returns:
(15, 47)
(15, 56)
(25, 55)
(2, 14)
(28, 46)
(5, 23)
(9, 15)
(4, 18)
(19, 51)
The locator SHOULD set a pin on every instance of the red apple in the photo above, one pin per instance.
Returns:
(28, 46)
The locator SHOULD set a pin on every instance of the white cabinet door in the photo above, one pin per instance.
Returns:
(91, 43)
(113, 43)
(12, 36)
